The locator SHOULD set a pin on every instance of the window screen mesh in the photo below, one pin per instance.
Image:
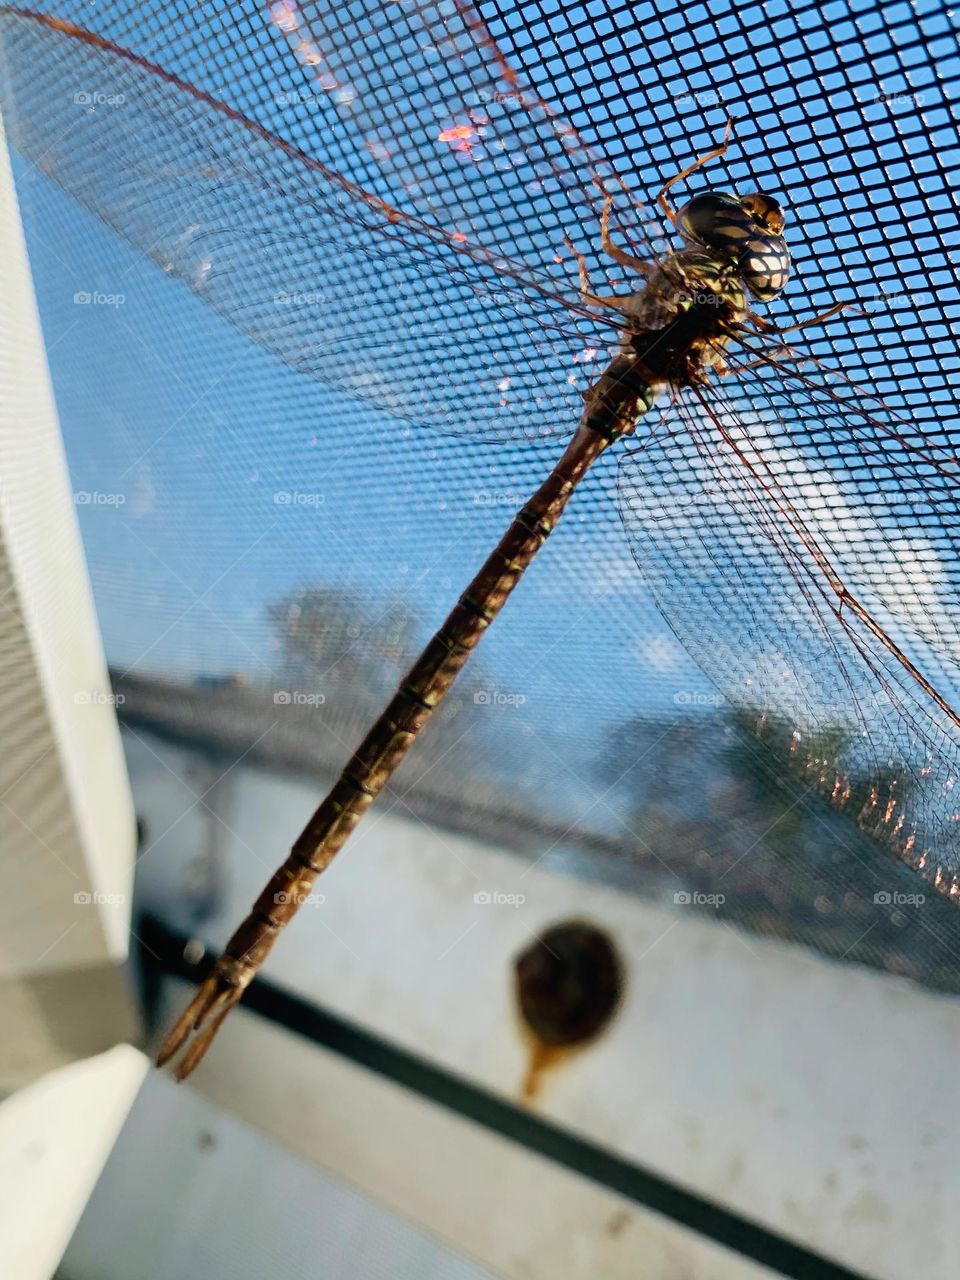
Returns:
(278, 509)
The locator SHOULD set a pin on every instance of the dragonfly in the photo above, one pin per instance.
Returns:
(798, 534)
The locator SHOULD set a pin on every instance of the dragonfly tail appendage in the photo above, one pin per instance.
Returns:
(204, 1014)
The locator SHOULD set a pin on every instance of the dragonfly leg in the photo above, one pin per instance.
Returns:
(586, 288)
(784, 354)
(601, 299)
(620, 255)
(766, 326)
(662, 200)
(760, 324)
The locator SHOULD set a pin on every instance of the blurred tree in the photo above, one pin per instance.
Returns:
(318, 628)
(736, 802)
(334, 643)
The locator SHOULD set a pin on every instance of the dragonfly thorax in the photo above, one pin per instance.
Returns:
(692, 305)
(679, 326)
(704, 287)
(712, 305)
(746, 230)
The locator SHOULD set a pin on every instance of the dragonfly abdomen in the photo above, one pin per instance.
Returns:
(623, 393)
(372, 764)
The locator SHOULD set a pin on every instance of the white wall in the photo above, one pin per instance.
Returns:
(55, 1136)
(66, 820)
(808, 1094)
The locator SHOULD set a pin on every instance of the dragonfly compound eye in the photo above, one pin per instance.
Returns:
(764, 210)
(764, 266)
(716, 221)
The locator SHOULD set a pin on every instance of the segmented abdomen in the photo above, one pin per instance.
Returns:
(622, 394)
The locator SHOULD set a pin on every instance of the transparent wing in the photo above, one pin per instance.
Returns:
(405, 311)
(805, 551)
(448, 130)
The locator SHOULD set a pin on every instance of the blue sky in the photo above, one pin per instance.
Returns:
(199, 429)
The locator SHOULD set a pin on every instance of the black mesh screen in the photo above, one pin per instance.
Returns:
(295, 426)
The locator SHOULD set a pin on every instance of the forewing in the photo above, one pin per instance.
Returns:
(400, 311)
(454, 134)
(804, 551)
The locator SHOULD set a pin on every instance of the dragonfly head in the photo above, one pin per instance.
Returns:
(745, 230)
